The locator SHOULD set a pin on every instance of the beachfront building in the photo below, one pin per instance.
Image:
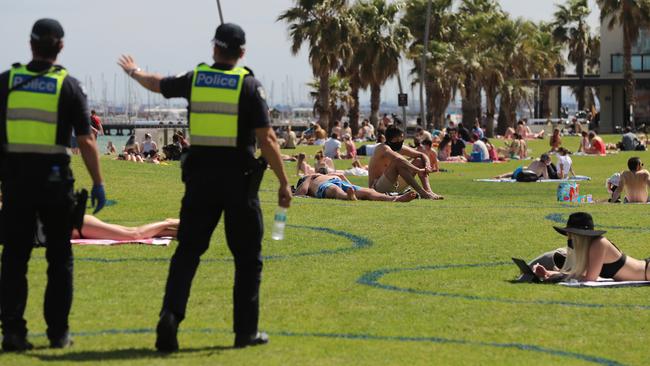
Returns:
(609, 83)
(613, 112)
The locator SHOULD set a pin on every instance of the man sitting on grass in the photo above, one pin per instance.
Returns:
(539, 166)
(337, 186)
(389, 171)
(635, 182)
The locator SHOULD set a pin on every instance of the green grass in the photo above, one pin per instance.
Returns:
(316, 308)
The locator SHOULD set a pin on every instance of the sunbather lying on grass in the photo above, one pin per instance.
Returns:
(539, 166)
(337, 186)
(94, 228)
(591, 255)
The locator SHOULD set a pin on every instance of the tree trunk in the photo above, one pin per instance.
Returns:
(512, 114)
(546, 95)
(477, 103)
(324, 98)
(580, 95)
(354, 108)
(375, 100)
(469, 106)
(431, 104)
(628, 73)
(502, 121)
(580, 70)
(490, 97)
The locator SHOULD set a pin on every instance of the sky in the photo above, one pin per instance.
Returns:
(170, 37)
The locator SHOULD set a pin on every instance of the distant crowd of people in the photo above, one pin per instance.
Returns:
(147, 150)
(398, 168)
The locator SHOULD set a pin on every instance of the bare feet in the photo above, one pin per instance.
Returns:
(406, 197)
(351, 195)
(433, 196)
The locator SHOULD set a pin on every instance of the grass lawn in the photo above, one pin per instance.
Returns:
(363, 282)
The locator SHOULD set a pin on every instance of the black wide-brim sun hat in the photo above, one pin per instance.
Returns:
(580, 223)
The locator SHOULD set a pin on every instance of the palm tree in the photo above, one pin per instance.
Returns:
(476, 17)
(356, 84)
(381, 42)
(530, 52)
(327, 27)
(548, 58)
(570, 28)
(593, 67)
(493, 59)
(441, 82)
(340, 98)
(631, 15)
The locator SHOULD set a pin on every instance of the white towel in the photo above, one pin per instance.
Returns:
(603, 282)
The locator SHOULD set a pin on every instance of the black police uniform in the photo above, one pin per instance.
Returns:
(217, 180)
(39, 184)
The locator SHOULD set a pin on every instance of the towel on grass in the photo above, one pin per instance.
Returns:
(510, 180)
(585, 154)
(356, 172)
(108, 242)
(605, 282)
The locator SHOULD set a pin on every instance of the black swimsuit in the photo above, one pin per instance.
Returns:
(609, 270)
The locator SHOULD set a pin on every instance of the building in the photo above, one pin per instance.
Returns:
(610, 82)
(613, 113)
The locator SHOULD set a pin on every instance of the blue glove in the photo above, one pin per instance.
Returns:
(98, 197)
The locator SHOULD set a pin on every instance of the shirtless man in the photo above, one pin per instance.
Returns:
(539, 166)
(635, 182)
(390, 171)
(523, 130)
(337, 186)
(425, 147)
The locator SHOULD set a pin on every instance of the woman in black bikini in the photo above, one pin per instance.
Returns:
(593, 255)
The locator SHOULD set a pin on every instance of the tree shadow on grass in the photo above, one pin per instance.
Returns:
(126, 354)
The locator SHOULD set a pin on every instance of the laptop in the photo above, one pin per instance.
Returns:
(527, 274)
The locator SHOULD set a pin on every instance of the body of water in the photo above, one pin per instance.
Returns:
(118, 141)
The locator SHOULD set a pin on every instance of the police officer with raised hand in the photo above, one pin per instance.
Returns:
(227, 112)
(40, 105)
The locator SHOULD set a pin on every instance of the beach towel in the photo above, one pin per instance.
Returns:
(585, 154)
(606, 282)
(356, 172)
(108, 242)
(510, 180)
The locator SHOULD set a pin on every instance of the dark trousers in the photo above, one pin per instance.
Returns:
(202, 206)
(22, 202)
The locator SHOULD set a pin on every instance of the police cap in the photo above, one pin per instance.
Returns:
(230, 36)
(47, 29)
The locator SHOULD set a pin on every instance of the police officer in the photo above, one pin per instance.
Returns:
(40, 105)
(227, 112)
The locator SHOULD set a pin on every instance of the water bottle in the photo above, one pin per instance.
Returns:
(279, 223)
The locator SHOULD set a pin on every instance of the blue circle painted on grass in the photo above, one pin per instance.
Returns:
(349, 337)
(373, 279)
(358, 242)
(562, 219)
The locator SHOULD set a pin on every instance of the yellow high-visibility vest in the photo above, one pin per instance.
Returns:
(32, 111)
(214, 106)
